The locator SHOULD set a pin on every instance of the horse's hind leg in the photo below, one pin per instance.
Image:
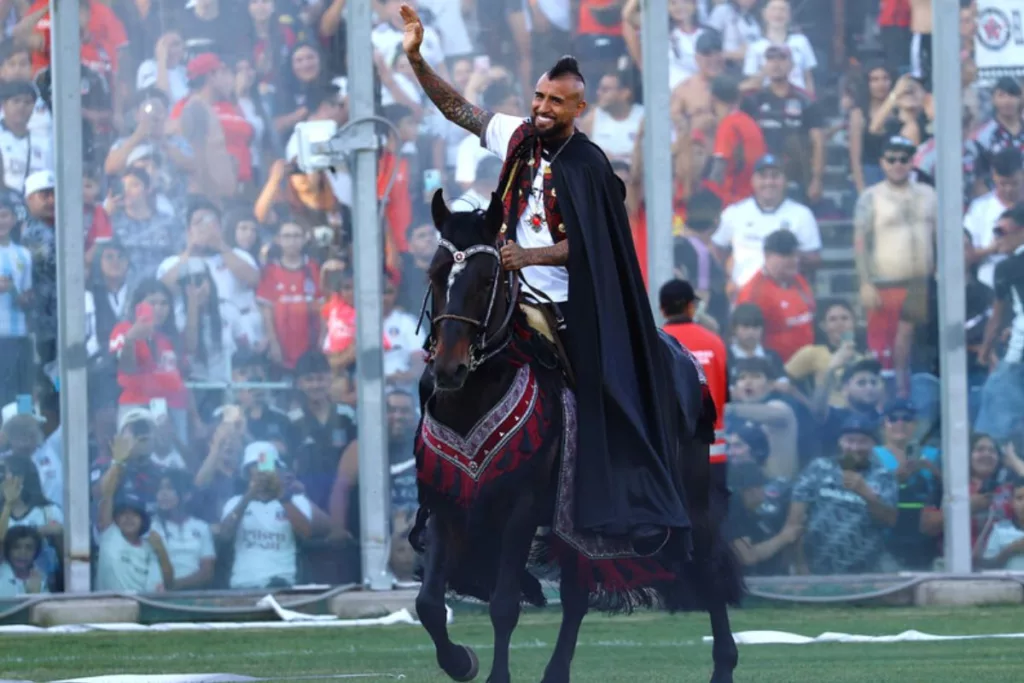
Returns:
(458, 661)
(516, 540)
(723, 652)
(574, 607)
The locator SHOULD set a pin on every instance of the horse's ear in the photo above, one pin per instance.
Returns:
(495, 215)
(439, 210)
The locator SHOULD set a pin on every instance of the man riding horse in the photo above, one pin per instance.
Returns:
(566, 231)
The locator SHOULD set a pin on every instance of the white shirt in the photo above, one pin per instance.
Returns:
(468, 156)
(803, 58)
(1003, 534)
(558, 12)
(41, 121)
(471, 200)
(11, 586)
(187, 543)
(682, 55)
(177, 79)
(49, 463)
(617, 138)
(387, 40)
(125, 567)
(450, 25)
(39, 517)
(118, 303)
(744, 226)
(737, 29)
(264, 542)
(24, 156)
(171, 461)
(553, 281)
(400, 331)
(980, 221)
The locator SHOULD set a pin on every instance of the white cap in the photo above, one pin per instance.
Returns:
(11, 409)
(134, 414)
(260, 451)
(40, 180)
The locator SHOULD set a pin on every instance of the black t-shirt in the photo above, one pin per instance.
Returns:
(911, 548)
(317, 449)
(271, 425)
(413, 286)
(787, 123)
(1009, 286)
(921, 308)
(688, 259)
(760, 524)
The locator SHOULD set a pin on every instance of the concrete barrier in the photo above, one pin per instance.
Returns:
(62, 612)
(367, 604)
(968, 592)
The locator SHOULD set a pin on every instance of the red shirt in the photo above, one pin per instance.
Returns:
(740, 142)
(157, 374)
(237, 133)
(709, 349)
(788, 312)
(398, 209)
(894, 13)
(100, 230)
(293, 296)
(106, 35)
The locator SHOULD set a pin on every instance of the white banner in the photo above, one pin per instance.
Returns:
(999, 39)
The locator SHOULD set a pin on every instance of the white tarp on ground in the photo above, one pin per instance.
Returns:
(784, 638)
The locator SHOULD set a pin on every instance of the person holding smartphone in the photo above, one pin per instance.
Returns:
(16, 354)
(836, 348)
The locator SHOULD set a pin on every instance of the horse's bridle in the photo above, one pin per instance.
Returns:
(485, 346)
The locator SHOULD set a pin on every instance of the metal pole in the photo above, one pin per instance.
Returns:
(657, 151)
(67, 125)
(368, 258)
(952, 343)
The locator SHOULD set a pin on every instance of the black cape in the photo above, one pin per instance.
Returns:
(628, 469)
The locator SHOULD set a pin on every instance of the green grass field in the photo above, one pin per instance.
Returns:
(644, 648)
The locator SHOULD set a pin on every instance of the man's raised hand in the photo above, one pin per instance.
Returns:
(413, 37)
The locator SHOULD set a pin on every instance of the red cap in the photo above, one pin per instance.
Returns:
(203, 65)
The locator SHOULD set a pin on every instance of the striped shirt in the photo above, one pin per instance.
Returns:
(16, 265)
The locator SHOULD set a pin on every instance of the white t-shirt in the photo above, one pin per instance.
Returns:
(803, 58)
(450, 25)
(744, 226)
(737, 29)
(187, 544)
(558, 12)
(264, 542)
(400, 331)
(177, 79)
(24, 156)
(171, 461)
(39, 517)
(468, 157)
(980, 221)
(11, 586)
(1003, 534)
(617, 138)
(553, 281)
(50, 465)
(387, 40)
(682, 55)
(125, 567)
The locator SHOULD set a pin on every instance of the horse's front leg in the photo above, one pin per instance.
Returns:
(458, 661)
(724, 652)
(516, 540)
(574, 607)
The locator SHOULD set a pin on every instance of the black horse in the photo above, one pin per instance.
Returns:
(495, 455)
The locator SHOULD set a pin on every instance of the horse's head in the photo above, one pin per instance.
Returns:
(471, 311)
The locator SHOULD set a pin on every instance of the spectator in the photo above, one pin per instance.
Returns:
(263, 422)
(991, 490)
(166, 69)
(97, 110)
(501, 98)
(1007, 169)
(792, 123)
(738, 143)
(614, 123)
(783, 295)
(212, 331)
(25, 504)
(746, 341)
(1002, 396)
(289, 296)
(265, 524)
(39, 236)
(809, 365)
(756, 521)
(403, 358)
(103, 36)
(242, 231)
(338, 317)
(737, 21)
(249, 102)
(16, 65)
(866, 146)
(751, 399)
(863, 390)
(695, 260)
(691, 99)
(397, 159)
(894, 32)
(130, 469)
(17, 356)
(1006, 129)
(24, 151)
(551, 25)
(25, 439)
(217, 476)
(146, 235)
(478, 196)
(925, 162)
(210, 28)
(18, 573)
(132, 558)
(152, 138)
(301, 76)
(106, 302)
(306, 198)
(903, 108)
(747, 443)
(684, 30)
(272, 34)
(1005, 546)
(95, 219)
(746, 225)
(918, 471)
(894, 236)
(778, 32)
(188, 541)
(412, 287)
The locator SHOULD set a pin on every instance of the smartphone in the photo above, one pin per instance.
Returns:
(847, 337)
(25, 404)
(431, 181)
(158, 406)
(267, 462)
(144, 313)
(482, 63)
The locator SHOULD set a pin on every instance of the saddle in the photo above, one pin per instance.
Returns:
(542, 321)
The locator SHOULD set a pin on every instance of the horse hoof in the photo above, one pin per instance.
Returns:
(721, 677)
(471, 668)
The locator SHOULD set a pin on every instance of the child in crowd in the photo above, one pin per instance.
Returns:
(1005, 547)
(16, 353)
(18, 573)
(289, 295)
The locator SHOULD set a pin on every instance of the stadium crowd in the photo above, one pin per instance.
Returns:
(219, 304)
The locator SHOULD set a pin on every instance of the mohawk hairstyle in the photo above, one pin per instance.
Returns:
(566, 66)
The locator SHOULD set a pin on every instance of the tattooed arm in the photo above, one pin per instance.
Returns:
(450, 103)
(863, 227)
